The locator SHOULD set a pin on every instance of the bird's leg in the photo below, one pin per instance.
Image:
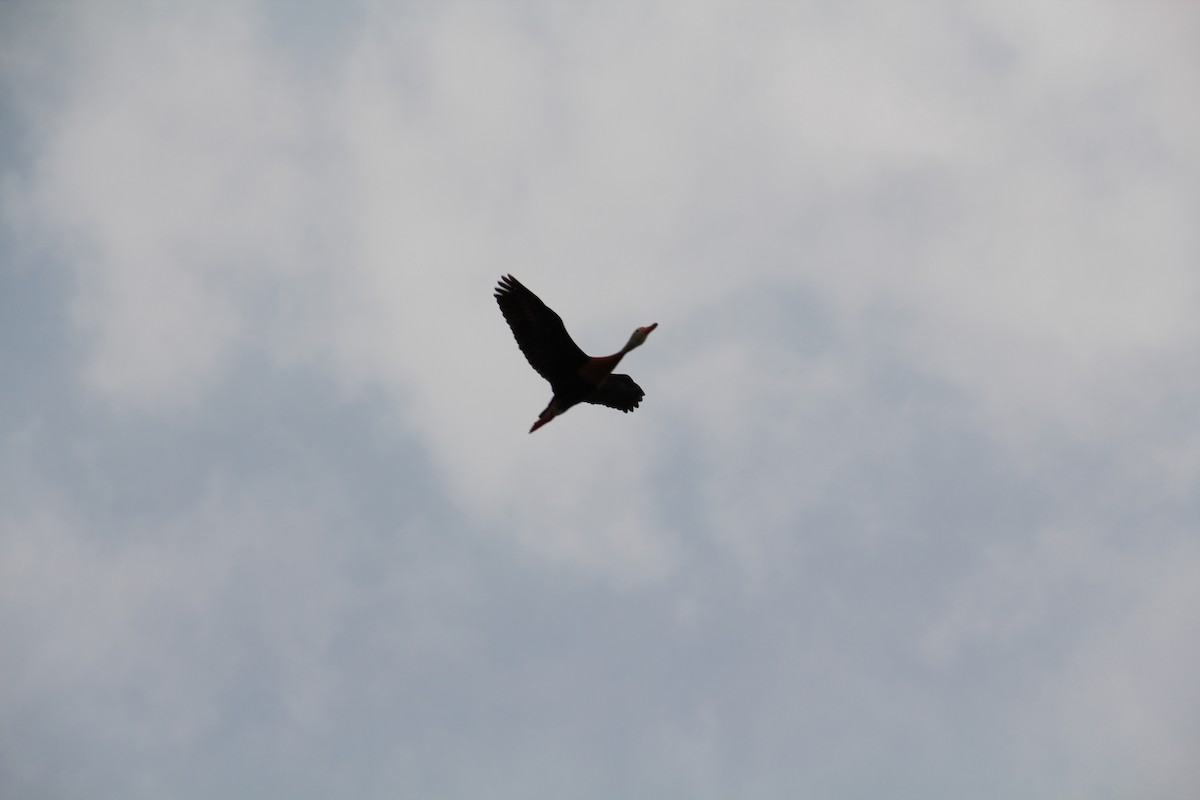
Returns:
(551, 411)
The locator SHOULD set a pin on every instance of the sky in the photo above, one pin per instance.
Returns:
(911, 508)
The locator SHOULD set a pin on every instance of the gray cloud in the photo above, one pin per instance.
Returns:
(909, 508)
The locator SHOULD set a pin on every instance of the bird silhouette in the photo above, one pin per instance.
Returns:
(574, 376)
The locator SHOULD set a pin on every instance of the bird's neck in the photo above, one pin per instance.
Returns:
(598, 368)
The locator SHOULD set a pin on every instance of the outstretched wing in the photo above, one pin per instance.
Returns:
(539, 332)
(619, 392)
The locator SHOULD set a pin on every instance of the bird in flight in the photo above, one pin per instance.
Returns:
(574, 376)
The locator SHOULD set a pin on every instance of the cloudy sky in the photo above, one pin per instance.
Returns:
(912, 506)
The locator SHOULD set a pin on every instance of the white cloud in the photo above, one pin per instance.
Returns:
(924, 279)
(173, 176)
(217, 202)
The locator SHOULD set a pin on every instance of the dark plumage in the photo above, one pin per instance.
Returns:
(574, 376)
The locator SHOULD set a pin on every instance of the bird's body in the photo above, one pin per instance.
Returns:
(574, 376)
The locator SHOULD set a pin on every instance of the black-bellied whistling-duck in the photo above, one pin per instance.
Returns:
(574, 376)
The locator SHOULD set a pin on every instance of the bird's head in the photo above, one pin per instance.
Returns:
(639, 336)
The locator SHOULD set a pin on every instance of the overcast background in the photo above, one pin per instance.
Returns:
(911, 507)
